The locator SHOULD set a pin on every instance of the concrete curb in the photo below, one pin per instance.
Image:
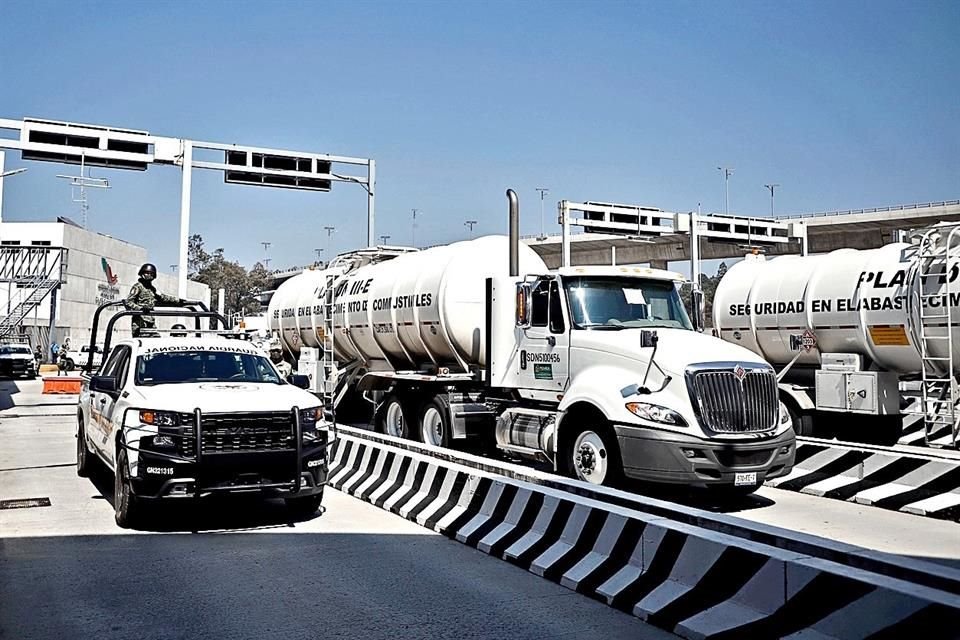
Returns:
(911, 483)
(691, 581)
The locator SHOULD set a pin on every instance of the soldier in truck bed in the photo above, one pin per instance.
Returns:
(144, 297)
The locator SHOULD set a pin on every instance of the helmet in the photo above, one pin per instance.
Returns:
(178, 326)
(274, 345)
(148, 269)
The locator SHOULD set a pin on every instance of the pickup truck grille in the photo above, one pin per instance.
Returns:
(229, 432)
(728, 404)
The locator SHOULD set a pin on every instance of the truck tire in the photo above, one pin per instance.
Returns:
(434, 422)
(70, 364)
(126, 508)
(304, 507)
(394, 418)
(802, 422)
(593, 455)
(85, 459)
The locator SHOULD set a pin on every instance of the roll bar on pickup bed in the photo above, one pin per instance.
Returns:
(189, 310)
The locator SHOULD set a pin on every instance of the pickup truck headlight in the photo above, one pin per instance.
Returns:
(656, 413)
(160, 418)
(308, 423)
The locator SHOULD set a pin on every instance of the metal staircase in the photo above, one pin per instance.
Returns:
(938, 252)
(35, 272)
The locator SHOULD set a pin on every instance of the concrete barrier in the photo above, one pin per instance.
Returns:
(695, 582)
(62, 384)
(921, 483)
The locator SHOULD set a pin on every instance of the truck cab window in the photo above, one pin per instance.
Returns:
(557, 324)
(540, 305)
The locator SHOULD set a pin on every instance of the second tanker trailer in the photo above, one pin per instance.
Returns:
(846, 330)
(596, 370)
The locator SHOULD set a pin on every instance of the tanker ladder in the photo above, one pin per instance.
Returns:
(938, 391)
(336, 381)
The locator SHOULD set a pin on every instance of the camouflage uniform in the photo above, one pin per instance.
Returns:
(144, 297)
(283, 368)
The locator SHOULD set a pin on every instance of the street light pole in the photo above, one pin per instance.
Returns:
(727, 172)
(543, 191)
(383, 239)
(413, 230)
(470, 223)
(329, 231)
(771, 187)
(319, 252)
(5, 174)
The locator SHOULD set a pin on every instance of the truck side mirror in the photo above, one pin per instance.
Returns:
(103, 384)
(300, 381)
(524, 295)
(648, 339)
(696, 311)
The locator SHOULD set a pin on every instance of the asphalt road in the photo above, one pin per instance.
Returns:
(243, 569)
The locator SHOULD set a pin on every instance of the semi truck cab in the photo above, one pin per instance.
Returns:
(635, 388)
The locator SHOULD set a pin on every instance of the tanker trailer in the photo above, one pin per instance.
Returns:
(594, 370)
(848, 329)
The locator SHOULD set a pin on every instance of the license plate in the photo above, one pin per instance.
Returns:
(744, 479)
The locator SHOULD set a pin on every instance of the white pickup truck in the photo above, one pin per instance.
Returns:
(187, 417)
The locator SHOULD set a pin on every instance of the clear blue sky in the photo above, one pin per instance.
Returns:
(846, 104)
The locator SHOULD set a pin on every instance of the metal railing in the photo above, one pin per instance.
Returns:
(900, 207)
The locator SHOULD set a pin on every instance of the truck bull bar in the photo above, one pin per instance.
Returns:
(197, 437)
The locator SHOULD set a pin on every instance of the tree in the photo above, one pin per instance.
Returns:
(197, 257)
(241, 289)
(708, 284)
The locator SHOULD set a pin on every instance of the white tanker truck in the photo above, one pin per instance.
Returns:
(596, 370)
(847, 329)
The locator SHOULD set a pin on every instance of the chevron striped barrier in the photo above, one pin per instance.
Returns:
(680, 577)
(922, 483)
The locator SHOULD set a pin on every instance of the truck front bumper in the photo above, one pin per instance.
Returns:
(267, 473)
(668, 457)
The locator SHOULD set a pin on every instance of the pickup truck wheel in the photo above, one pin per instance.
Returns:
(304, 507)
(70, 364)
(593, 456)
(84, 457)
(394, 418)
(434, 423)
(125, 506)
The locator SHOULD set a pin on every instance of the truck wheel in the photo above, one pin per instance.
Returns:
(435, 423)
(84, 457)
(125, 505)
(70, 364)
(394, 419)
(304, 507)
(593, 456)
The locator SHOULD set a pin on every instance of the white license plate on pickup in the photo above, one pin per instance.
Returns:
(745, 479)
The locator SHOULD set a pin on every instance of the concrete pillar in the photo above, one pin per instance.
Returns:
(658, 264)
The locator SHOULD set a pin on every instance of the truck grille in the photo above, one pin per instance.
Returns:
(229, 433)
(727, 404)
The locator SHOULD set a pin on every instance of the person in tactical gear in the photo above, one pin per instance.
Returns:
(178, 334)
(276, 357)
(144, 297)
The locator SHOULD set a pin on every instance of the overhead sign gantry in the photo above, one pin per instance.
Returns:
(122, 148)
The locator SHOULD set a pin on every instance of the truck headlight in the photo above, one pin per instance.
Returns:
(656, 413)
(784, 415)
(160, 418)
(308, 423)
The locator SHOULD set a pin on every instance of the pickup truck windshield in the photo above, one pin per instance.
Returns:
(609, 302)
(11, 349)
(203, 366)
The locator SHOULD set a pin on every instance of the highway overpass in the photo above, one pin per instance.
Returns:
(826, 231)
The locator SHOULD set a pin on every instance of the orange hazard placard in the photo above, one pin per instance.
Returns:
(889, 335)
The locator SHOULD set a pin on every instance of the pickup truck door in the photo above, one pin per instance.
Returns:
(103, 405)
(544, 359)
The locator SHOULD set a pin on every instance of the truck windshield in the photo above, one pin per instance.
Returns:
(610, 302)
(11, 349)
(203, 366)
